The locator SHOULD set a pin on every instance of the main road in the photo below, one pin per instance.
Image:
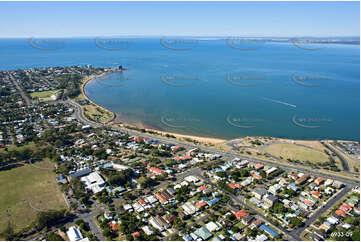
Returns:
(229, 155)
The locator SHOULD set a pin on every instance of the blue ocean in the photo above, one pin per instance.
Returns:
(222, 88)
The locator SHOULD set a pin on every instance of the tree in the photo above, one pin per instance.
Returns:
(49, 218)
(107, 232)
(296, 222)
(231, 217)
(278, 208)
(53, 237)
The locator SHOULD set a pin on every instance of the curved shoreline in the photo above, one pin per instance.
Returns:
(162, 132)
(91, 101)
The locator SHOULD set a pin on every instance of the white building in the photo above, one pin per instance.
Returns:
(74, 234)
(147, 230)
(151, 199)
(93, 182)
(191, 179)
(212, 226)
(189, 208)
(156, 225)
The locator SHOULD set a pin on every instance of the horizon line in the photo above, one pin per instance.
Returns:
(183, 35)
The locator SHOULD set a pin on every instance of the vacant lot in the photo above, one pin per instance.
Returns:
(296, 152)
(26, 189)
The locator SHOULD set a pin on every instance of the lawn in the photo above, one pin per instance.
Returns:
(296, 152)
(24, 190)
(44, 94)
(92, 111)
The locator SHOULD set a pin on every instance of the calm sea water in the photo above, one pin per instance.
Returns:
(216, 88)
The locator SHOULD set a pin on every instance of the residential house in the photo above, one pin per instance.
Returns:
(259, 193)
(302, 179)
(203, 233)
(213, 226)
(247, 219)
(270, 200)
(319, 180)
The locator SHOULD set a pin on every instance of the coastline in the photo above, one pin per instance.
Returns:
(123, 123)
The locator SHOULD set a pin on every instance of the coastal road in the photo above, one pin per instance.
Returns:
(228, 155)
(80, 115)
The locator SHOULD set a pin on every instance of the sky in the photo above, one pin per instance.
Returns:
(82, 19)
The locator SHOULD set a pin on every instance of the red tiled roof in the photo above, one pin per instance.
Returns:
(201, 204)
(139, 138)
(114, 226)
(142, 201)
(232, 186)
(161, 198)
(135, 234)
(202, 188)
(177, 147)
(319, 180)
(340, 213)
(308, 202)
(240, 213)
(316, 194)
(254, 175)
(345, 207)
(156, 170)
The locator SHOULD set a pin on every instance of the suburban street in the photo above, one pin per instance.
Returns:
(290, 235)
(21, 91)
(317, 214)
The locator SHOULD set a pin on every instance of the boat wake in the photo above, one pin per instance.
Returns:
(280, 102)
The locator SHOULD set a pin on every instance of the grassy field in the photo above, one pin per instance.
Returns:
(296, 152)
(24, 190)
(44, 94)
